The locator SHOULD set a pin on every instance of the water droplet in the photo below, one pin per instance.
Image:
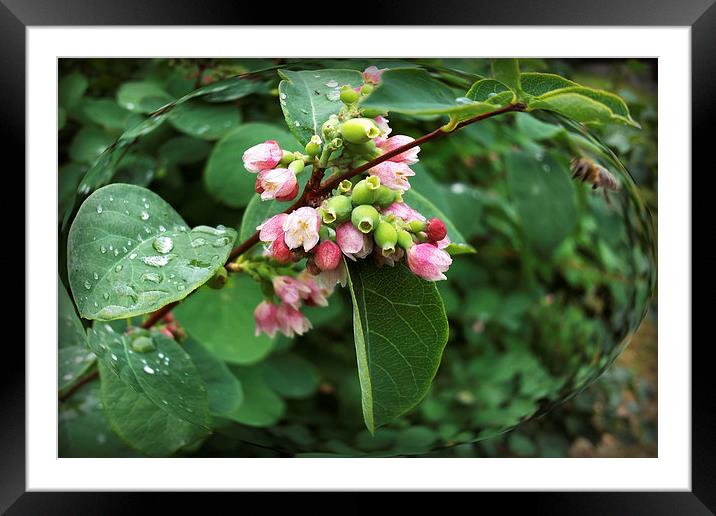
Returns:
(282, 96)
(297, 123)
(198, 242)
(88, 285)
(148, 369)
(156, 261)
(95, 276)
(103, 249)
(162, 229)
(125, 250)
(129, 242)
(118, 268)
(332, 83)
(333, 95)
(490, 95)
(463, 100)
(132, 256)
(111, 199)
(116, 252)
(220, 242)
(114, 357)
(105, 296)
(144, 215)
(152, 277)
(99, 208)
(147, 230)
(163, 244)
(146, 205)
(180, 288)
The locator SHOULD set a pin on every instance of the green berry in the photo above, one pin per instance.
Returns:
(365, 218)
(339, 207)
(349, 95)
(345, 186)
(384, 196)
(313, 147)
(359, 130)
(405, 239)
(416, 226)
(386, 236)
(296, 166)
(287, 158)
(363, 193)
(366, 89)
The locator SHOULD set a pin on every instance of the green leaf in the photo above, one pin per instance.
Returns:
(70, 90)
(545, 198)
(223, 388)
(290, 375)
(88, 144)
(534, 128)
(105, 112)
(75, 358)
(155, 399)
(414, 92)
(459, 243)
(537, 84)
(130, 253)
(236, 89)
(142, 97)
(225, 177)
(400, 330)
(183, 150)
(487, 90)
(585, 105)
(261, 406)
(222, 320)
(308, 98)
(206, 121)
(507, 71)
(83, 429)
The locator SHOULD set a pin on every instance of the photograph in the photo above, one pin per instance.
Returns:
(438, 257)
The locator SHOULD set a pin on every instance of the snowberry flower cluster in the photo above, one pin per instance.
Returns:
(363, 218)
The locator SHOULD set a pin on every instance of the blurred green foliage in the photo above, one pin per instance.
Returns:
(541, 311)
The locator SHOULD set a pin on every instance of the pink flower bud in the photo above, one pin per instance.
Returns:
(428, 262)
(291, 321)
(353, 243)
(403, 211)
(272, 228)
(262, 156)
(435, 229)
(372, 74)
(279, 184)
(301, 228)
(328, 255)
(393, 175)
(280, 251)
(265, 316)
(290, 290)
(317, 295)
(408, 157)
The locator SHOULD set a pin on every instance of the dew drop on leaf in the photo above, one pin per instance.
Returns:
(332, 83)
(152, 277)
(163, 244)
(198, 242)
(88, 285)
(220, 242)
(156, 261)
(144, 215)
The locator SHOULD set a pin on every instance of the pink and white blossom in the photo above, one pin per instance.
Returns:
(372, 74)
(317, 295)
(393, 175)
(384, 128)
(265, 316)
(272, 228)
(428, 262)
(279, 183)
(301, 228)
(290, 290)
(291, 321)
(262, 156)
(403, 211)
(353, 243)
(408, 157)
(329, 279)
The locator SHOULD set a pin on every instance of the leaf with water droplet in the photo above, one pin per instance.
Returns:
(311, 100)
(75, 358)
(207, 121)
(120, 292)
(135, 389)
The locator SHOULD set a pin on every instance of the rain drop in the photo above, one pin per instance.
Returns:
(144, 215)
(163, 244)
(103, 249)
(152, 277)
(333, 95)
(463, 100)
(220, 242)
(283, 96)
(162, 229)
(88, 285)
(156, 261)
(198, 242)
(148, 369)
(132, 256)
(95, 276)
(118, 268)
(332, 83)
(99, 208)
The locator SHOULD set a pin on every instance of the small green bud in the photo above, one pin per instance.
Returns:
(143, 344)
(416, 226)
(362, 149)
(365, 218)
(287, 158)
(405, 239)
(345, 186)
(364, 192)
(371, 113)
(323, 231)
(329, 129)
(386, 237)
(296, 166)
(313, 147)
(384, 196)
(349, 95)
(359, 130)
(219, 279)
(366, 89)
(339, 206)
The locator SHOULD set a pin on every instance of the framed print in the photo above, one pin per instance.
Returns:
(360, 258)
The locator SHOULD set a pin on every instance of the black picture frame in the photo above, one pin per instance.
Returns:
(700, 15)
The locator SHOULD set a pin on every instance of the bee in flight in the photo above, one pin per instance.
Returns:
(588, 171)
